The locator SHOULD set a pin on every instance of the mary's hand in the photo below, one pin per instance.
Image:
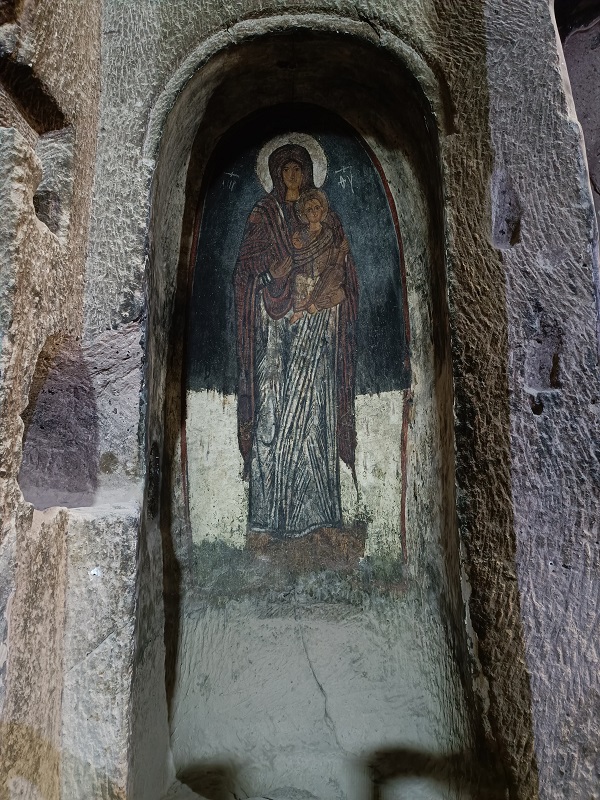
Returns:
(282, 269)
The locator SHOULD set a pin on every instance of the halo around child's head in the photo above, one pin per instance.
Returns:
(311, 194)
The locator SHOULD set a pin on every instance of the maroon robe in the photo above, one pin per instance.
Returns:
(266, 244)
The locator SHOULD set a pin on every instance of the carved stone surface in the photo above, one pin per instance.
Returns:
(31, 719)
(99, 646)
(521, 252)
(553, 389)
(55, 46)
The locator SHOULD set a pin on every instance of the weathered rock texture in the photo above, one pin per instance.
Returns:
(99, 650)
(31, 725)
(49, 75)
(555, 369)
(516, 339)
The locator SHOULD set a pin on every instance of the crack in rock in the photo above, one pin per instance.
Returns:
(326, 715)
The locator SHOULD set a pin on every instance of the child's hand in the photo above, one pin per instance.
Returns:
(296, 316)
(312, 309)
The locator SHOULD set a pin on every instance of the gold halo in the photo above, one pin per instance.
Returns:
(314, 149)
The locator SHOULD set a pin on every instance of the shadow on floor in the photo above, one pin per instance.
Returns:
(458, 772)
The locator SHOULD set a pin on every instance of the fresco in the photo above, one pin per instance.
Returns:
(314, 588)
(298, 348)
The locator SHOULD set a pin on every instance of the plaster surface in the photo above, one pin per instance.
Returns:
(218, 498)
(300, 693)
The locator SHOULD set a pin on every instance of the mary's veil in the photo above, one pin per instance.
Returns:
(280, 157)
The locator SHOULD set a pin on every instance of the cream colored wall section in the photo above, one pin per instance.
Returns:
(219, 500)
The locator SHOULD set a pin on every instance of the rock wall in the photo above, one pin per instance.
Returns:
(105, 141)
(50, 88)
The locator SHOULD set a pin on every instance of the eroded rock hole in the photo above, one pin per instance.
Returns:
(515, 236)
(30, 96)
(52, 198)
(542, 362)
(537, 406)
(47, 208)
(506, 211)
(28, 106)
(60, 450)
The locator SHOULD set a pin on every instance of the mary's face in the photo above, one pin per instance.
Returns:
(292, 175)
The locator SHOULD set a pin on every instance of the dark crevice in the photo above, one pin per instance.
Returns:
(573, 14)
(31, 96)
(515, 236)
(47, 208)
(154, 480)
(537, 405)
(8, 11)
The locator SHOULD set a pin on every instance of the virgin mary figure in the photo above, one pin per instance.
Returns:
(296, 379)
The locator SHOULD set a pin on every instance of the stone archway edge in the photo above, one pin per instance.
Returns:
(248, 30)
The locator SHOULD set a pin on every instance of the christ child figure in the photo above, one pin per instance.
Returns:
(319, 261)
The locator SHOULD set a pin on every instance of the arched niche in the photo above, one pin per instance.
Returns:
(304, 684)
(331, 424)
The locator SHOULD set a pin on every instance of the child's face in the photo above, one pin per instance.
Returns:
(313, 211)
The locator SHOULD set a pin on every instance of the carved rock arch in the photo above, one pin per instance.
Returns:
(392, 98)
